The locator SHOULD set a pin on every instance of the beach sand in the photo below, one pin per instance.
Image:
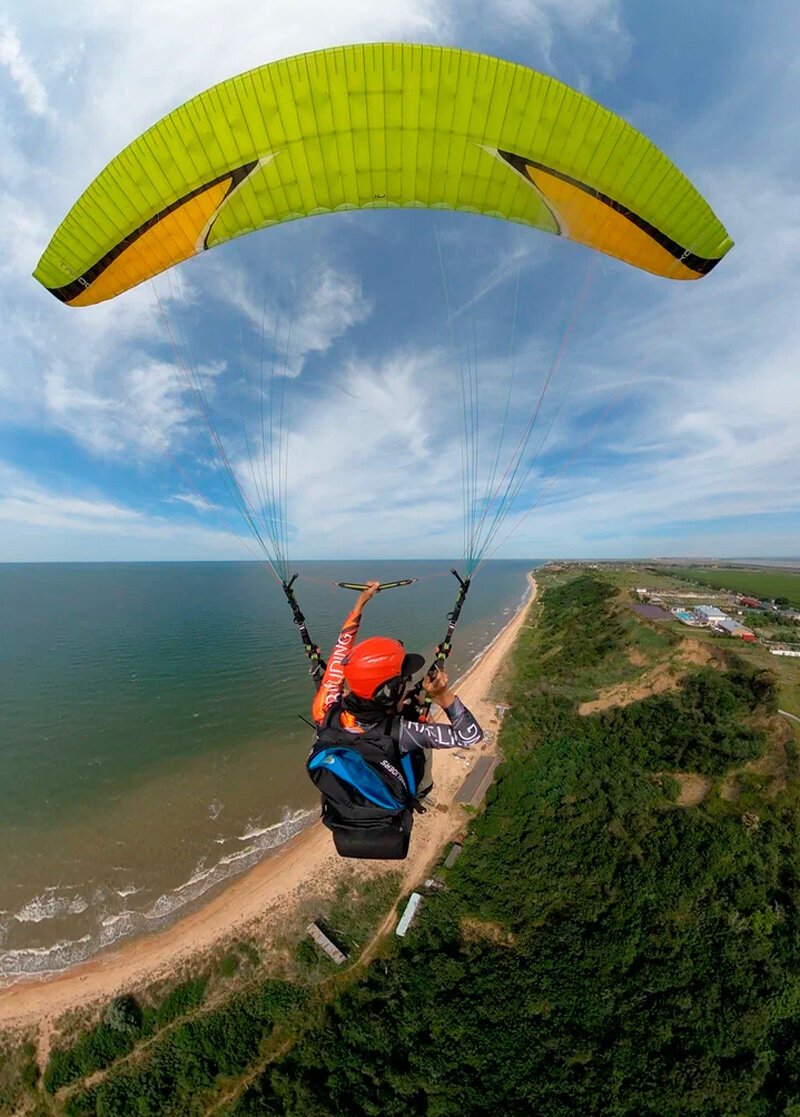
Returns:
(265, 897)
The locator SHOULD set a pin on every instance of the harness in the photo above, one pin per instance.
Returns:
(368, 787)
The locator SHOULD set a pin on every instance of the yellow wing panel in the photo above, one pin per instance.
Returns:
(592, 221)
(379, 125)
(169, 240)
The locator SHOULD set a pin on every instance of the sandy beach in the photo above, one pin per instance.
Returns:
(266, 895)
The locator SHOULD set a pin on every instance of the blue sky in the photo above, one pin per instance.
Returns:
(691, 390)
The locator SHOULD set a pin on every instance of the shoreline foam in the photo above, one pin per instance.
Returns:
(269, 888)
(23, 963)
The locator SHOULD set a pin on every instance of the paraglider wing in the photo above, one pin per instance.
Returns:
(378, 126)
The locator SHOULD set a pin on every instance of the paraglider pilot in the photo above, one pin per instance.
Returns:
(369, 756)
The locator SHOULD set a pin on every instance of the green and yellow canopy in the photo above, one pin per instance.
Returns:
(379, 126)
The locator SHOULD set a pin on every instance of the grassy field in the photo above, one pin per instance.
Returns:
(757, 583)
(787, 670)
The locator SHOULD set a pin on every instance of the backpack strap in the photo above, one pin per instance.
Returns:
(391, 729)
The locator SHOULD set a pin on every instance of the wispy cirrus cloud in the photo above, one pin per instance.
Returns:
(67, 524)
(21, 71)
(145, 409)
(302, 318)
(192, 500)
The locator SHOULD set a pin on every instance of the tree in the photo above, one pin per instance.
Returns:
(123, 1014)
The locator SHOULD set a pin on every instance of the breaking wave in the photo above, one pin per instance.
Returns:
(50, 906)
(113, 927)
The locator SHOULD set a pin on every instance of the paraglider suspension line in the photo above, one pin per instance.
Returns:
(311, 649)
(443, 649)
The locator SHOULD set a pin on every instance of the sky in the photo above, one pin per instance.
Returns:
(671, 425)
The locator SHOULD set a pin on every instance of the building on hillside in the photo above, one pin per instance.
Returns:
(709, 613)
(750, 602)
(785, 651)
(652, 612)
(733, 628)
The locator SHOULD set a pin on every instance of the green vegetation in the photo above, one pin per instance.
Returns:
(350, 920)
(770, 626)
(578, 626)
(766, 584)
(598, 949)
(249, 953)
(754, 655)
(357, 909)
(18, 1072)
(190, 1047)
(242, 958)
(175, 1071)
(125, 1023)
(229, 965)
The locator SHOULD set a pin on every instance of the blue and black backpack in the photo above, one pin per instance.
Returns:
(368, 787)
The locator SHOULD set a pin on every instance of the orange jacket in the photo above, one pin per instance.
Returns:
(330, 688)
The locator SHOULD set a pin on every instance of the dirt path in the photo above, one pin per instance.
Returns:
(693, 788)
(241, 1084)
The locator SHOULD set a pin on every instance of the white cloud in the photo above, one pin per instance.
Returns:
(593, 27)
(334, 305)
(24, 231)
(149, 57)
(303, 318)
(25, 501)
(193, 500)
(24, 76)
(708, 431)
(62, 524)
(374, 464)
(678, 452)
(144, 410)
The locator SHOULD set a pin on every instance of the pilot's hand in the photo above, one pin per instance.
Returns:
(435, 684)
(367, 594)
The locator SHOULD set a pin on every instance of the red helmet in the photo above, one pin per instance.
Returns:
(378, 661)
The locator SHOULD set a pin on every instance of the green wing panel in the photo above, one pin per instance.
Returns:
(379, 126)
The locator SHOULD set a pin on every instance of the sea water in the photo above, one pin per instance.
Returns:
(151, 741)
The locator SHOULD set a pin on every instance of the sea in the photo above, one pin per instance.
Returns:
(152, 741)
